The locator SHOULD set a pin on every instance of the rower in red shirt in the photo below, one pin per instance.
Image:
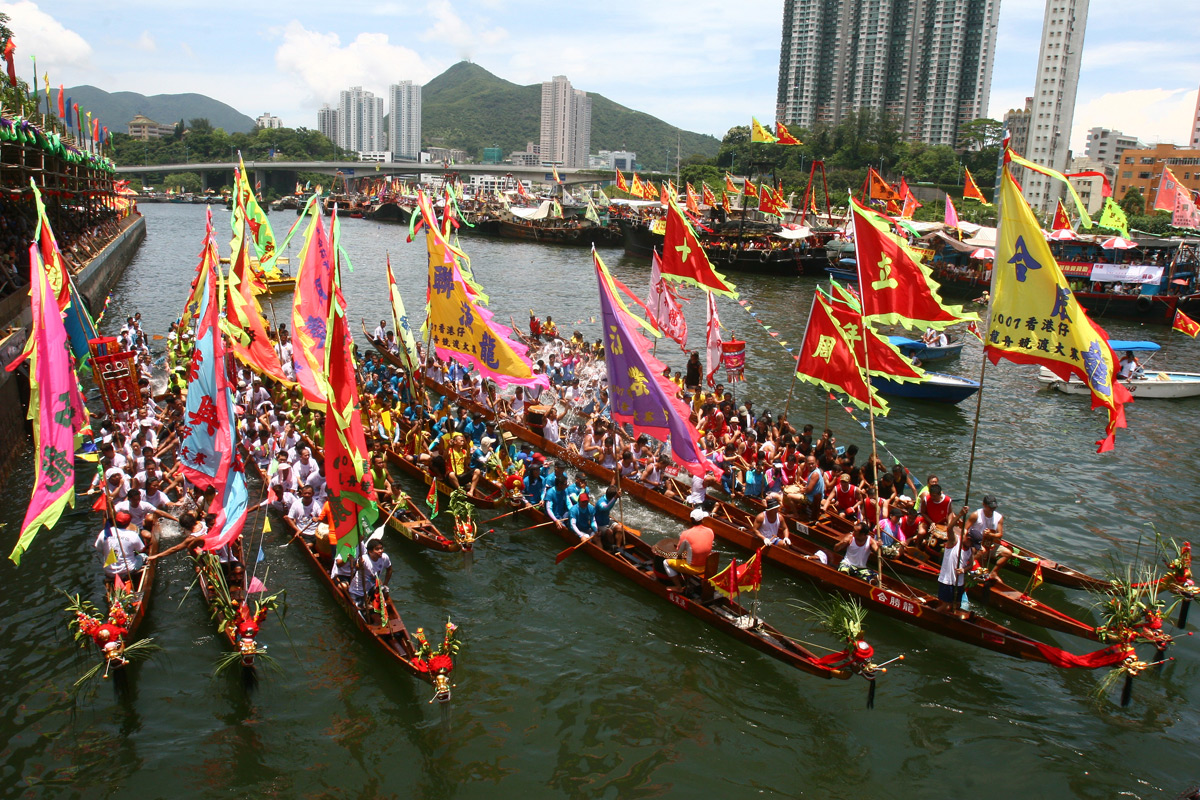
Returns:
(695, 545)
(845, 497)
(934, 503)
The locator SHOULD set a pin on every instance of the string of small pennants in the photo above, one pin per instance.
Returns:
(777, 338)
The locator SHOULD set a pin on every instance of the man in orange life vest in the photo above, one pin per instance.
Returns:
(695, 545)
(845, 498)
(934, 503)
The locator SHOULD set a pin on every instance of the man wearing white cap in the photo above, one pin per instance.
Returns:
(692, 551)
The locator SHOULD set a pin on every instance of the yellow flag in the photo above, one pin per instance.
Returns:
(266, 523)
(1035, 318)
(111, 558)
(758, 133)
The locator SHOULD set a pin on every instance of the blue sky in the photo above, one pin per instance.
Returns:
(704, 65)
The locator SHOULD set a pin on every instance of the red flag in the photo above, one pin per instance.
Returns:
(1185, 324)
(782, 136)
(637, 187)
(241, 310)
(663, 308)
(62, 103)
(878, 188)
(725, 202)
(621, 184)
(826, 359)
(662, 194)
(708, 198)
(910, 205)
(970, 190)
(684, 259)
(750, 189)
(896, 288)
(767, 202)
(1061, 221)
(749, 575)
(693, 202)
(729, 185)
(1168, 187)
(884, 358)
(9, 48)
(973, 329)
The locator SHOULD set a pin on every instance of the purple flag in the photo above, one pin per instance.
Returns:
(640, 395)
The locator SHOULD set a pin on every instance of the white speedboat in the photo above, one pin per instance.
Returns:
(1146, 384)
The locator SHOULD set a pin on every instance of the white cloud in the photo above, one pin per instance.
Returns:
(146, 43)
(1152, 115)
(38, 34)
(320, 66)
(449, 28)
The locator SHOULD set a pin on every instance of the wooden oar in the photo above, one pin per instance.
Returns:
(539, 525)
(565, 554)
(514, 511)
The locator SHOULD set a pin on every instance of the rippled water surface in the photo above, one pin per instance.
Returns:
(573, 682)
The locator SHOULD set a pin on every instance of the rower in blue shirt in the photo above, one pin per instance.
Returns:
(755, 480)
(583, 518)
(556, 503)
(603, 507)
(535, 487)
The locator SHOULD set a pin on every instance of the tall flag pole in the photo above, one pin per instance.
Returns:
(1035, 318)
(400, 321)
(55, 407)
(641, 396)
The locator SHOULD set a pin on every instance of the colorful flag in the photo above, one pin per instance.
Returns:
(684, 259)
(664, 307)
(1062, 222)
(404, 332)
(712, 354)
(1085, 221)
(707, 198)
(458, 327)
(729, 184)
(557, 179)
(749, 189)
(247, 330)
(641, 396)
(758, 133)
(431, 500)
(1035, 318)
(881, 356)
(621, 184)
(310, 308)
(62, 110)
(768, 203)
(247, 213)
(55, 408)
(1168, 188)
(10, 47)
(878, 188)
(897, 289)
(693, 201)
(827, 360)
(637, 189)
(951, 217)
(971, 190)
(663, 197)
(1113, 217)
(910, 205)
(783, 136)
(973, 329)
(352, 505)
(1185, 324)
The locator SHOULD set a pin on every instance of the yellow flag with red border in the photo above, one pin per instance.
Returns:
(971, 190)
(760, 134)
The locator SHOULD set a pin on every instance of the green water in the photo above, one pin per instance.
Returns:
(574, 683)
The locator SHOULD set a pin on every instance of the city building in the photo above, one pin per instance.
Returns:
(531, 156)
(360, 121)
(1106, 146)
(442, 155)
(566, 136)
(404, 124)
(268, 120)
(613, 159)
(1195, 138)
(927, 63)
(144, 128)
(327, 123)
(1057, 81)
(1142, 168)
(1091, 190)
(1016, 122)
(493, 183)
(376, 156)
(492, 155)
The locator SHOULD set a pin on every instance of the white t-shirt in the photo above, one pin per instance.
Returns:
(127, 544)
(304, 515)
(136, 515)
(371, 570)
(953, 560)
(317, 481)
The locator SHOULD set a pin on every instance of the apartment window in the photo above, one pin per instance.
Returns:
(1143, 175)
(1127, 174)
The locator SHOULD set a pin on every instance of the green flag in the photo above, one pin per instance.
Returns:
(1114, 217)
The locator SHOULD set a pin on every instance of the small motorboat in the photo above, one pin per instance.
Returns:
(914, 348)
(1144, 384)
(938, 387)
(846, 271)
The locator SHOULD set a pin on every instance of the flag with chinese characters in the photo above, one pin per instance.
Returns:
(896, 288)
(1113, 217)
(247, 213)
(750, 189)
(712, 350)
(827, 360)
(404, 332)
(971, 190)
(55, 408)
(878, 188)
(459, 328)
(758, 133)
(637, 188)
(247, 330)
(1168, 188)
(1184, 324)
(1035, 318)
(881, 356)
(768, 202)
(664, 307)
(1062, 222)
(310, 308)
(708, 198)
(208, 451)
(783, 136)
(684, 259)
(352, 505)
(621, 184)
(641, 396)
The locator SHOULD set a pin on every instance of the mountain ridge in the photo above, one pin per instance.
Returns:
(116, 109)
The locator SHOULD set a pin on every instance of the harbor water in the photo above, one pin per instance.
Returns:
(574, 683)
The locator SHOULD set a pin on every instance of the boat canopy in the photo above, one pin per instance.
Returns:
(541, 212)
(1122, 345)
(796, 232)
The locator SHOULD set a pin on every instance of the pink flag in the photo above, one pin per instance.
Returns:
(713, 356)
(255, 585)
(951, 214)
(54, 405)
(664, 307)
(310, 309)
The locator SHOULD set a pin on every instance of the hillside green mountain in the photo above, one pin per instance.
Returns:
(469, 108)
(115, 109)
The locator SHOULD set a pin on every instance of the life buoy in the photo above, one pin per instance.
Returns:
(1144, 303)
(764, 255)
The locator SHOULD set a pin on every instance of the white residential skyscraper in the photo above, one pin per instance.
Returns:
(404, 124)
(327, 123)
(566, 124)
(1054, 99)
(927, 62)
(360, 120)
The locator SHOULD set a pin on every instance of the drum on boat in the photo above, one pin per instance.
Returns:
(535, 418)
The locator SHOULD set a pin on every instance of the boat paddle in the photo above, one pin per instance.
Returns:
(565, 554)
(514, 511)
(539, 525)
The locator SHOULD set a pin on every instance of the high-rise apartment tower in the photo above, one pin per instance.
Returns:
(566, 124)
(404, 122)
(360, 120)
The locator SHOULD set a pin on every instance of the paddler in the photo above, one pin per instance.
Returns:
(770, 525)
(692, 551)
(985, 535)
(583, 518)
(556, 502)
(859, 546)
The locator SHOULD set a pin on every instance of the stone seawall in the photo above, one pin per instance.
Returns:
(95, 281)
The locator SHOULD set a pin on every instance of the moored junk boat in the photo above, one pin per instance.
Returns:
(390, 211)
(760, 247)
(887, 595)
(538, 224)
